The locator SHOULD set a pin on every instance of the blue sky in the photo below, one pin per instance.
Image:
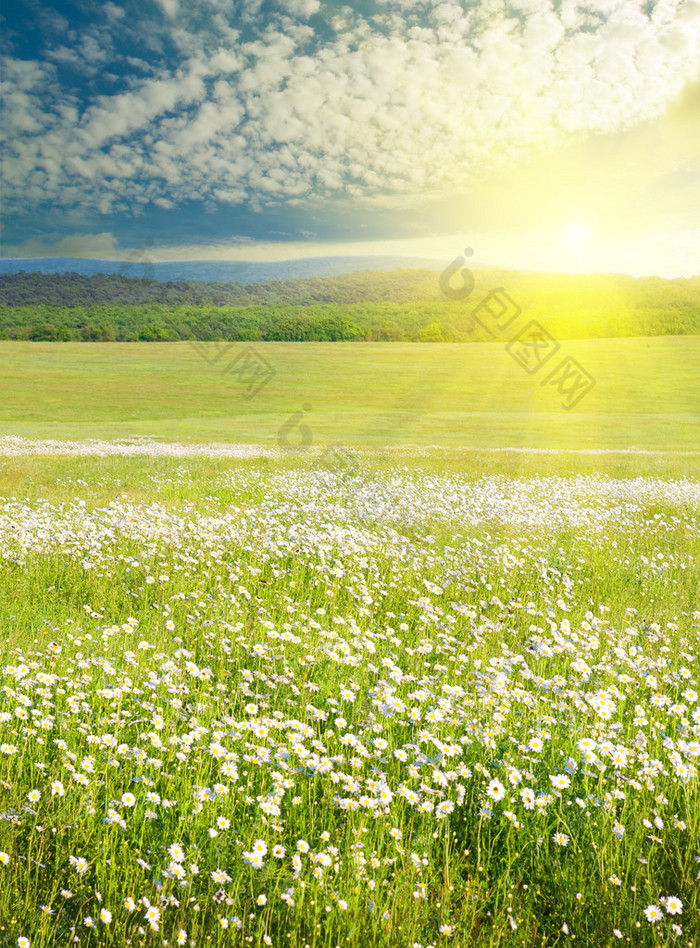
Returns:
(546, 135)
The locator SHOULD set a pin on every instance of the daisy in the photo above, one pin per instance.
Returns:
(560, 781)
(674, 906)
(495, 790)
(176, 852)
(653, 913)
(527, 795)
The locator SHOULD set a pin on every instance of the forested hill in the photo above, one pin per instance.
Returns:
(73, 289)
(395, 286)
(397, 305)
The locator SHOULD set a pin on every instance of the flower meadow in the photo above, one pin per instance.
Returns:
(260, 703)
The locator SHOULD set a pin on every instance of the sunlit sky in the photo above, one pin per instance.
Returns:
(551, 136)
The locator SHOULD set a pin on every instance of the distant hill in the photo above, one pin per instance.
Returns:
(396, 305)
(220, 271)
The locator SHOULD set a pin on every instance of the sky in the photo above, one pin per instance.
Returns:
(544, 135)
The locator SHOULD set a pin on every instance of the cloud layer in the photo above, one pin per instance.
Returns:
(228, 102)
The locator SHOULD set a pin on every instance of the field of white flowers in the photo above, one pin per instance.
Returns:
(294, 705)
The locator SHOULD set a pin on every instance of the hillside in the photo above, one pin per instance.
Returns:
(397, 305)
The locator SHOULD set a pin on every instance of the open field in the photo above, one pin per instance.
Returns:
(436, 685)
(646, 394)
(276, 702)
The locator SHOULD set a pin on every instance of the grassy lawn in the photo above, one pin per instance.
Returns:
(646, 394)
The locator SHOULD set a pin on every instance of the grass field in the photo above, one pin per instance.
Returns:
(438, 686)
(646, 394)
(267, 702)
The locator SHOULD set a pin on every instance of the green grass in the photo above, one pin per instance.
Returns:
(296, 589)
(646, 394)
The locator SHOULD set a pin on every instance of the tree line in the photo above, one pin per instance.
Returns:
(396, 306)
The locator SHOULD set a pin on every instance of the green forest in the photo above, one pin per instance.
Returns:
(398, 305)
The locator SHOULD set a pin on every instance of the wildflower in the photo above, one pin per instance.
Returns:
(106, 916)
(673, 905)
(4, 858)
(255, 860)
(23, 942)
(34, 796)
(653, 913)
(561, 839)
(176, 852)
(560, 781)
(527, 795)
(88, 922)
(495, 790)
(80, 864)
(278, 852)
(261, 899)
(128, 799)
(446, 930)
(302, 846)
(57, 788)
(129, 904)
(181, 937)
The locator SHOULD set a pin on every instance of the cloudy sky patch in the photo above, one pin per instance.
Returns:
(214, 123)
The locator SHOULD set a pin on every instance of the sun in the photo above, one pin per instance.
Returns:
(576, 232)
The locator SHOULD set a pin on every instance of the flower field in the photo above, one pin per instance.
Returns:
(263, 703)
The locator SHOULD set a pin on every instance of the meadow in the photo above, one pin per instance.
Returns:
(645, 395)
(353, 698)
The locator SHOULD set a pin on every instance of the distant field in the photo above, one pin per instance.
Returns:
(646, 394)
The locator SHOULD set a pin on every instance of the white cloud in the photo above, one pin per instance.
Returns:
(98, 246)
(169, 7)
(417, 99)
